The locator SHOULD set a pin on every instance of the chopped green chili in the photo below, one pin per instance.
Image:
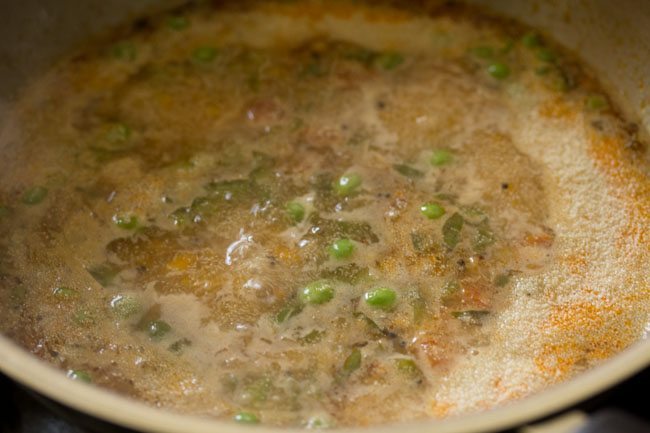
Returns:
(312, 337)
(350, 274)
(472, 317)
(288, 311)
(419, 310)
(408, 171)
(35, 195)
(483, 52)
(118, 133)
(596, 102)
(104, 273)
(259, 389)
(341, 249)
(178, 346)
(124, 51)
(83, 317)
(531, 40)
(502, 280)
(295, 211)
(180, 216)
(546, 55)
(451, 230)
(4, 211)
(17, 295)
(424, 242)
(382, 297)
(352, 362)
(450, 288)
(317, 292)
(484, 237)
(64, 292)
(314, 69)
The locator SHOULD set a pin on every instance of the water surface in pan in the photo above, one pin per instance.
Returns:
(310, 215)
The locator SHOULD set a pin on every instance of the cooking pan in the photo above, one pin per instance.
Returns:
(612, 37)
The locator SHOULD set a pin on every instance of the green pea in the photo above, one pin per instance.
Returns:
(498, 70)
(246, 418)
(389, 61)
(158, 328)
(347, 184)
(317, 292)
(383, 298)
(34, 195)
(341, 249)
(125, 222)
(441, 157)
(408, 366)
(483, 52)
(295, 211)
(118, 133)
(124, 51)
(432, 210)
(178, 22)
(125, 306)
(64, 292)
(352, 362)
(596, 102)
(451, 230)
(531, 40)
(79, 375)
(546, 55)
(205, 54)
(316, 422)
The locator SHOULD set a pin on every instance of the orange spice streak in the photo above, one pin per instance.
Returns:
(318, 10)
(630, 185)
(560, 358)
(558, 109)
